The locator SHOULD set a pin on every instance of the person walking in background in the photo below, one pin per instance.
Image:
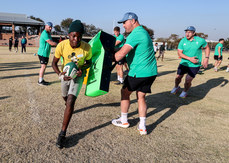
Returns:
(143, 70)
(118, 44)
(218, 57)
(16, 44)
(10, 43)
(44, 51)
(161, 51)
(155, 48)
(23, 44)
(190, 50)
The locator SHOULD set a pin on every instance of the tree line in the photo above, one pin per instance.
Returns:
(90, 30)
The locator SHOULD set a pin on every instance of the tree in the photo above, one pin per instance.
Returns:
(66, 23)
(150, 31)
(90, 30)
(32, 29)
(202, 35)
(37, 19)
(226, 44)
(57, 28)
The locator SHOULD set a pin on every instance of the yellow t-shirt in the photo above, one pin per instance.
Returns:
(65, 50)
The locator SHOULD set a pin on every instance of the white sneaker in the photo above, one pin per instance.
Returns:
(175, 90)
(142, 131)
(227, 70)
(215, 69)
(118, 122)
(183, 94)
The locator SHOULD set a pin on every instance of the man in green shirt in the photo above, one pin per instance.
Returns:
(190, 52)
(118, 44)
(218, 54)
(139, 53)
(44, 51)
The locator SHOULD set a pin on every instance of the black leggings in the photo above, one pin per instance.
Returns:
(23, 47)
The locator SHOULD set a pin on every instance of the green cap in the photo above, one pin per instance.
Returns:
(76, 26)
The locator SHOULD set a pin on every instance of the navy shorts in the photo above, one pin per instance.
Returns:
(43, 60)
(139, 84)
(191, 71)
(216, 57)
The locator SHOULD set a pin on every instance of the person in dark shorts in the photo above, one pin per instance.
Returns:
(218, 57)
(10, 43)
(190, 50)
(139, 52)
(44, 51)
(118, 44)
(16, 44)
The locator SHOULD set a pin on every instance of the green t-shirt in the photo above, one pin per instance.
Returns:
(121, 39)
(44, 48)
(192, 49)
(217, 47)
(141, 59)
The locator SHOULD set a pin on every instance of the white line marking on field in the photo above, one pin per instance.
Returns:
(33, 108)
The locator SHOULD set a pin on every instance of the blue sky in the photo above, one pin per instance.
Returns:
(163, 16)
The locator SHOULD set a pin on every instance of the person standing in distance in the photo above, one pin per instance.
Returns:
(190, 51)
(44, 51)
(161, 51)
(155, 48)
(76, 50)
(10, 43)
(218, 57)
(118, 44)
(139, 52)
(23, 44)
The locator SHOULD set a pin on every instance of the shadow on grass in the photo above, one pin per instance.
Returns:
(24, 75)
(160, 102)
(4, 97)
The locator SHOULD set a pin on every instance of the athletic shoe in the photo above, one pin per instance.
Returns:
(142, 131)
(60, 141)
(183, 94)
(118, 83)
(227, 70)
(215, 69)
(43, 83)
(175, 90)
(118, 122)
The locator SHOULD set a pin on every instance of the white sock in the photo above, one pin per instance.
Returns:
(118, 77)
(121, 80)
(124, 117)
(40, 79)
(142, 124)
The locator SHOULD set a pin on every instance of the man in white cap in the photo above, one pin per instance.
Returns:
(139, 52)
(190, 52)
(44, 51)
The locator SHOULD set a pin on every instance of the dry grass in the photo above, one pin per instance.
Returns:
(194, 129)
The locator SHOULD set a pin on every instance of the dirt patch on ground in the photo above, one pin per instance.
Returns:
(194, 129)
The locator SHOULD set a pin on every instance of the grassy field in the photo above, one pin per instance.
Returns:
(195, 129)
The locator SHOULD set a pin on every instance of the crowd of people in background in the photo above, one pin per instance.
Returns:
(15, 42)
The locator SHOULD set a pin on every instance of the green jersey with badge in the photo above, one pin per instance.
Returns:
(216, 49)
(44, 47)
(192, 49)
(141, 59)
(121, 39)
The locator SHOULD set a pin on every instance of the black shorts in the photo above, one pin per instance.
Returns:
(43, 60)
(192, 71)
(139, 84)
(216, 57)
(122, 61)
